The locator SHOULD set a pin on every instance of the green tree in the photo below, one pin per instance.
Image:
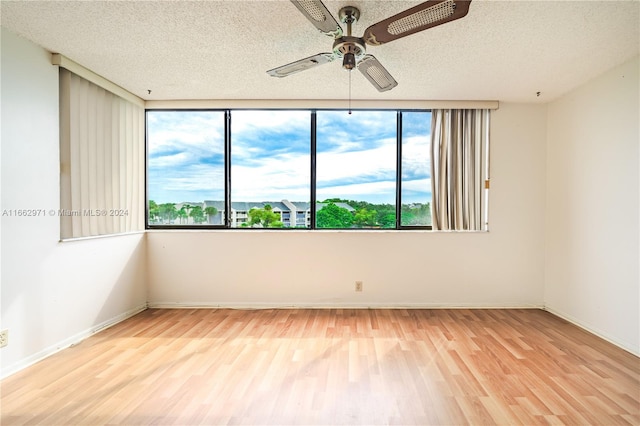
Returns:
(154, 212)
(334, 217)
(210, 211)
(415, 215)
(365, 218)
(197, 214)
(408, 216)
(386, 215)
(168, 212)
(386, 212)
(182, 214)
(264, 218)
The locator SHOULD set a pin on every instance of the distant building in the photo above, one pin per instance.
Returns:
(294, 214)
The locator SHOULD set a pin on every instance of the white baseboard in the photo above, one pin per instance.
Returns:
(622, 345)
(76, 338)
(335, 305)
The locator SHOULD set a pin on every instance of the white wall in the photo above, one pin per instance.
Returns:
(52, 293)
(592, 221)
(504, 267)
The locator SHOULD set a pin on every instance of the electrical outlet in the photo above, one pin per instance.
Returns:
(4, 338)
(358, 285)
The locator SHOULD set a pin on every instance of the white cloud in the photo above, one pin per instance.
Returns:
(197, 183)
(278, 177)
(378, 162)
(197, 135)
(259, 121)
(416, 156)
(364, 191)
(171, 161)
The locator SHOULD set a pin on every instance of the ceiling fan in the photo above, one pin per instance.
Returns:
(352, 49)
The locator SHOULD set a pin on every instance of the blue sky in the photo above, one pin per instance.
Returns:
(270, 155)
(185, 155)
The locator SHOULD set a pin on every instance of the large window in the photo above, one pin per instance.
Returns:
(185, 167)
(356, 169)
(416, 169)
(289, 169)
(270, 168)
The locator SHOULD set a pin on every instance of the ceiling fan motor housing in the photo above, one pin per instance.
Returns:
(350, 48)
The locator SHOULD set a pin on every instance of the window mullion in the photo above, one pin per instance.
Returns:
(313, 202)
(398, 169)
(227, 168)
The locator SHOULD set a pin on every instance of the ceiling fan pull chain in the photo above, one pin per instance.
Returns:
(350, 92)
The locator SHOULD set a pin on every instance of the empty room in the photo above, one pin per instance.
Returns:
(320, 212)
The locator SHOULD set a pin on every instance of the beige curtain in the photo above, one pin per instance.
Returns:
(101, 160)
(459, 168)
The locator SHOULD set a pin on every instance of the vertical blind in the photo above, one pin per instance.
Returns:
(101, 160)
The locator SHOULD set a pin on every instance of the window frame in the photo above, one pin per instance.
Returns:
(226, 173)
(228, 145)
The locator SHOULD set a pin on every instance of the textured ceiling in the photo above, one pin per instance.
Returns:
(502, 50)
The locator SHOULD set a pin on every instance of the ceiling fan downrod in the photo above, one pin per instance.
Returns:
(348, 47)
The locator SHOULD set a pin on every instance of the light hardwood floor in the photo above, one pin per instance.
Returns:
(333, 367)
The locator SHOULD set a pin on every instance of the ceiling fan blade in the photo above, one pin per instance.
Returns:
(373, 70)
(302, 65)
(425, 15)
(319, 15)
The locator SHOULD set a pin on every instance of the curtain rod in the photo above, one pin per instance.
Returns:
(318, 103)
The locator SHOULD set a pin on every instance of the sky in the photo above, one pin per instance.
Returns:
(270, 156)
